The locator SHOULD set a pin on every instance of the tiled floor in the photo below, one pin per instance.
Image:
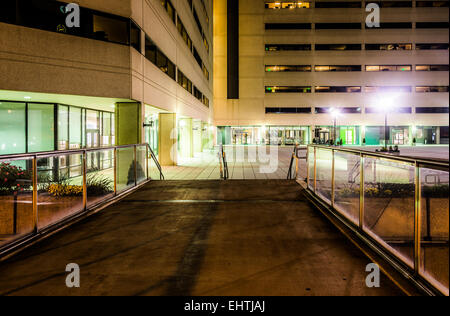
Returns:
(244, 163)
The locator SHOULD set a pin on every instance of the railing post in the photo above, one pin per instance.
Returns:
(115, 170)
(361, 192)
(35, 195)
(315, 169)
(84, 180)
(417, 219)
(333, 178)
(307, 166)
(135, 165)
(146, 162)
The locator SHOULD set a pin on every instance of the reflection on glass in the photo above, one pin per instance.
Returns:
(347, 185)
(125, 169)
(59, 194)
(16, 196)
(12, 131)
(41, 127)
(324, 160)
(100, 176)
(389, 199)
(141, 173)
(434, 253)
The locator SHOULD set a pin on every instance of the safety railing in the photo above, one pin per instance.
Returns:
(43, 190)
(400, 204)
(299, 153)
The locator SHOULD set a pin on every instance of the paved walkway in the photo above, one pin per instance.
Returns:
(198, 238)
(244, 163)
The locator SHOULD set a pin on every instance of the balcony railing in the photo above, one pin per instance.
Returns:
(400, 204)
(39, 192)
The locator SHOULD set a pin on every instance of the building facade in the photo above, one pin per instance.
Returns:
(131, 71)
(290, 72)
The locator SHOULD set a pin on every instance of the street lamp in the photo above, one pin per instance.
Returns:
(386, 103)
(335, 113)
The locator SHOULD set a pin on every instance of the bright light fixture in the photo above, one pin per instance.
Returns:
(27, 98)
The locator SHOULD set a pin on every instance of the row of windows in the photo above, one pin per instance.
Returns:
(354, 26)
(158, 58)
(199, 25)
(351, 68)
(47, 15)
(355, 89)
(184, 34)
(352, 4)
(356, 110)
(342, 47)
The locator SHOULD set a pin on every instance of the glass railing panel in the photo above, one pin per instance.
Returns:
(100, 176)
(125, 168)
(347, 172)
(434, 258)
(389, 202)
(141, 171)
(60, 188)
(310, 168)
(16, 199)
(324, 165)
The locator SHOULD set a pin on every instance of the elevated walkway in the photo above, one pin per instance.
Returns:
(259, 237)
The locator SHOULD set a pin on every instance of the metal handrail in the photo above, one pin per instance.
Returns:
(413, 160)
(155, 159)
(35, 229)
(224, 174)
(359, 228)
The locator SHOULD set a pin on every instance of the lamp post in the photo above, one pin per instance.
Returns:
(335, 112)
(386, 103)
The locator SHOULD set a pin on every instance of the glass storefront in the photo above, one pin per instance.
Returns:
(348, 134)
(261, 135)
(40, 127)
(287, 135)
(397, 135)
(151, 127)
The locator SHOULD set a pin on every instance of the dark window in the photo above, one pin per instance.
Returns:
(288, 68)
(135, 37)
(169, 8)
(150, 50)
(198, 94)
(184, 34)
(432, 46)
(47, 15)
(205, 101)
(288, 89)
(431, 67)
(337, 68)
(321, 110)
(198, 58)
(425, 89)
(341, 26)
(338, 4)
(341, 89)
(287, 47)
(288, 110)
(197, 22)
(432, 25)
(393, 4)
(431, 110)
(338, 46)
(350, 110)
(288, 26)
(432, 4)
(402, 46)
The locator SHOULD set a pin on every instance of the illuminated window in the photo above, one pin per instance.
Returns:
(287, 47)
(289, 68)
(388, 89)
(288, 5)
(371, 68)
(431, 67)
(338, 46)
(337, 68)
(431, 89)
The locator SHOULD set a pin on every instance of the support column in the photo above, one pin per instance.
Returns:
(186, 138)
(129, 123)
(167, 138)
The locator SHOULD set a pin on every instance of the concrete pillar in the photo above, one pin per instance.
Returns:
(167, 139)
(129, 123)
(186, 138)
